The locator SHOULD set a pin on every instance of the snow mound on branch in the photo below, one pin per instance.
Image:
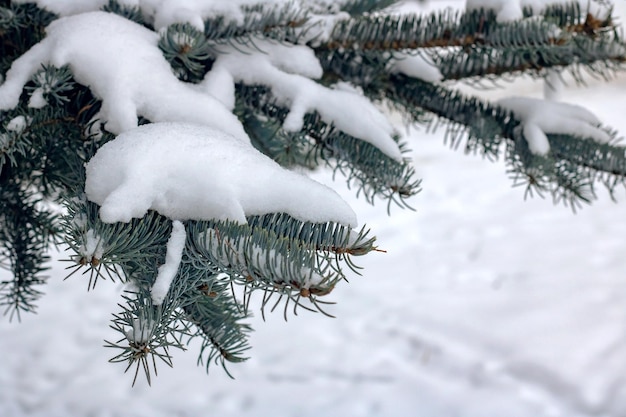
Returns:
(288, 70)
(173, 257)
(417, 66)
(509, 10)
(195, 172)
(121, 63)
(541, 117)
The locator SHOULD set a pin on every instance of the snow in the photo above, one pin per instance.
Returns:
(17, 124)
(167, 271)
(287, 70)
(195, 172)
(540, 117)
(416, 66)
(121, 63)
(553, 85)
(141, 332)
(508, 10)
(319, 27)
(483, 305)
(37, 99)
(91, 247)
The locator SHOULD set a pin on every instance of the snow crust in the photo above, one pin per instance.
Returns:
(541, 117)
(196, 172)
(509, 10)
(167, 271)
(121, 63)
(287, 71)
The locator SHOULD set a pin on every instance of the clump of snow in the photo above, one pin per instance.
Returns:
(196, 172)
(37, 99)
(121, 63)
(287, 71)
(552, 85)
(173, 256)
(319, 27)
(509, 10)
(417, 66)
(541, 117)
(141, 332)
(91, 247)
(220, 84)
(17, 124)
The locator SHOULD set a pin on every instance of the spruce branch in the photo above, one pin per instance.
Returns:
(127, 11)
(361, 7)
(574, 163)
(601, 56)
(216, 316)
(473, 46)
(187, 50)
(124, 251)
(281, 22)
(21, 26)
(448, 28)
(148, 332)
(373, 173)
(26, 233)
(285, 256)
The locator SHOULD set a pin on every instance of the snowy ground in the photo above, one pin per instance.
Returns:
(484, 305)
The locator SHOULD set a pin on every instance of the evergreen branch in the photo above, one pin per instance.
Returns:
(293, 259)
(214, 312)
(126, 11)
(26, 232)
(574, 163)
(386, 33)
(236, 250)
(187, 50)
(148, 333)
(279, 22)
(126, 251)
(325, 237)
(375, 174)
(601, 56)
(360, 7)
(47, 147)
(21, 26)
(574, 19)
